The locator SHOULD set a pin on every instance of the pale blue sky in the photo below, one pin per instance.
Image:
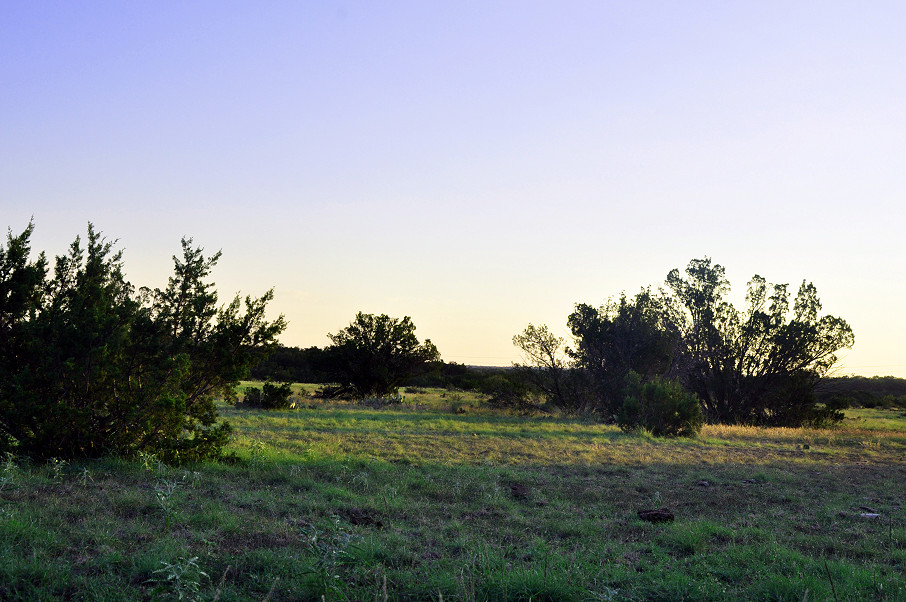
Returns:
(475, 165)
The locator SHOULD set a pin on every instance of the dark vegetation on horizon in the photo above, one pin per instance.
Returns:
(662, 361)
(308, 365)
(313, 365)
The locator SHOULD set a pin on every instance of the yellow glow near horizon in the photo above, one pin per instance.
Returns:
(477, 168)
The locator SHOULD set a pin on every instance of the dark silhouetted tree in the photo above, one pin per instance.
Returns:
(630, 335)
(759, 365)
(374, 355)
(546, 366)
(98, 368)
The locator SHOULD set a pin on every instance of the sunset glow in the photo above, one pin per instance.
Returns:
(474, 166)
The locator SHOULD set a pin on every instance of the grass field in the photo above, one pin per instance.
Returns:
(439, 498)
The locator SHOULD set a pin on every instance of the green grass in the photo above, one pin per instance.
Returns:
(440, 497)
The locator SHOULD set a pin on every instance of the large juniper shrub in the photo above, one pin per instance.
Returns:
(89, 366)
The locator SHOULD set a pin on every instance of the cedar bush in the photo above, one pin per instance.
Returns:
(269, 397)
(662, 407)
(90, 366)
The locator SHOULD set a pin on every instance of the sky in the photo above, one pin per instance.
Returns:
(477, 166)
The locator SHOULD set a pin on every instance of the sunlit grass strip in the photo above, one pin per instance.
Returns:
(396, 436)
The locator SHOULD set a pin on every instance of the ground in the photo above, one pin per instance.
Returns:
(441, 498)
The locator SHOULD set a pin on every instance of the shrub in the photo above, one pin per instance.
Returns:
(823, 417)
(662, 407)
(89, 366)
(269, 397)
(511, 392)
(381, 401)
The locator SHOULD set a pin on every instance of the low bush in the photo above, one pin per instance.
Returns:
(662, 407)
(269, 397)
(506, 391)
(381, 401)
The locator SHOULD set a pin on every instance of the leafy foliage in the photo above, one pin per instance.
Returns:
(662, 407)
(758, 365)
(629, 335)
(374, 355)
(269, 397)
(93, 367)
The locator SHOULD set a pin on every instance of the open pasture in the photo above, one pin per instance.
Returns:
(441, 498)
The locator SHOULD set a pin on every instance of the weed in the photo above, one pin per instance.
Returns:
(164, 489)
(85, 476)
(56, 467)
(8, 472)
(361, 480)
(333, 553)
(257, 454)
(180, 580)
(151, 462)
(191, 478)
(9, 463)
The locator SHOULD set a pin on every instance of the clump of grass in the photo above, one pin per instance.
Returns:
(383, 401)
(333, 550)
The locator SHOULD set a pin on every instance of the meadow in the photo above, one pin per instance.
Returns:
(443, 498)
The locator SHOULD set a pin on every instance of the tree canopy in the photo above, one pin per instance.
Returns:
(375, 354)
(758, 365)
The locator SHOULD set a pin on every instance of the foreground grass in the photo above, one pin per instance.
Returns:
(425, 502)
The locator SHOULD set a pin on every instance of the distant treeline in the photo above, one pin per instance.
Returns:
(314, 365)
(863, 391)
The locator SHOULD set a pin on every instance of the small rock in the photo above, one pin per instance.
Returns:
(656, 516)
(870, 515)
(703, 483)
